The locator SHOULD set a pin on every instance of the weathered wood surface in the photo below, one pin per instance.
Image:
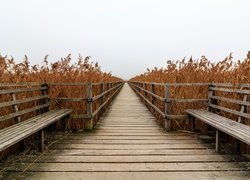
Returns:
(233, 128)
(127, 144)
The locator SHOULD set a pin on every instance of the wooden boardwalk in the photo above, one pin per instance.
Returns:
(128, 144)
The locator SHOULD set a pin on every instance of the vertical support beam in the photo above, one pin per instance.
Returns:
(167, 108)
(108, 88)
(145, 93)
(217, 143)
(243, 109)
(153, 98)
(89, 106)
(210, 100)
(192, 123)
(64, 123)
(15, 108)
(41, 140)
(46, 100)
(102, 98)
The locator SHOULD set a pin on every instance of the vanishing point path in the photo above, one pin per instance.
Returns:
(128, 144)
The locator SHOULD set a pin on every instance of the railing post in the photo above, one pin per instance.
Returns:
(46, 100)
(89, 106)
(153, 98)
(102, 99)
(15, 108)
(210, 94)
(145, 93)
(167, 108)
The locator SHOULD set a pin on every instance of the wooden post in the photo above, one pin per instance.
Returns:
(153, 98)
(167, 108)
(46, 100)
(102, 98)
(64, 123)
(210, 100)
(15, 108)
(145, 93)
(217, 143)
(41, 141)
(89, 106)
(241, 119)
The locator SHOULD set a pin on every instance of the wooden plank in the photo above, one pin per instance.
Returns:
(16, 102)
(138, 159)
(131, 142)
(8, 91)
(132, 167)
(222, 175)
(231, 100)
(129, 146)
(212, 119)
(239, 91)
(245, 115)
(11, 137)
(25, 111)
(109, 152)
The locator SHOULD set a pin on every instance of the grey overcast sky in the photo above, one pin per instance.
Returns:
(125, 36)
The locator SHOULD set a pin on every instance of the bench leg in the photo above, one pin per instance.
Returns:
(89, 124)
(192, 123)
(168, 125)
(64, 123)
(217, 143)
(41, 140)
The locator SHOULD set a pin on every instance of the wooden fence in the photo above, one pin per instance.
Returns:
(158, 98)
(89, 103)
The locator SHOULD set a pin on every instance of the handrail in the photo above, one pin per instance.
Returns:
(14, 84)
(149, 97)
(166, 113)
(104, 93)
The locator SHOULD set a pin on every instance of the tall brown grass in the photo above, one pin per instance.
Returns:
(197, 71)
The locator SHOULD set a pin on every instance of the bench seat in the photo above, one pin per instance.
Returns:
(228, 126)
(19, 131)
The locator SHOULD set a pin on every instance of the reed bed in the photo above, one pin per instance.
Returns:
(197, 71)
(73, 75)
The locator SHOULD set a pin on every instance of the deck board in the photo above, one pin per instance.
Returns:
(128, 144)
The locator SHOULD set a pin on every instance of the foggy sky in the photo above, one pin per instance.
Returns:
(125, 36)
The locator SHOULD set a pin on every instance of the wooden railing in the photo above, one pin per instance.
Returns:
(96, 103)
(93, 98)
(147, 92)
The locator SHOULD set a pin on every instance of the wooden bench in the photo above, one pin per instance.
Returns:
(214, 115)
(26, 112)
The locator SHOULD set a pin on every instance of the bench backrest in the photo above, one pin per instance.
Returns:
(230, 100)
(20, 103)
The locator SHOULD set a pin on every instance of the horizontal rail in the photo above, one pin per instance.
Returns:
(70, 99)
(149, 92)
(101, 106)
(152, 105)
(104, 93)
(241, 114)
(78, 83)
(196, 84)
(230, 100)
(187, 100)
(21, 84)
(10, 103)
(173, 84)
(9, 91)
(19, 113)
(81, 116)
(239, 91)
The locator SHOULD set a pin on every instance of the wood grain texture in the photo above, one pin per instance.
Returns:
(127, 144)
